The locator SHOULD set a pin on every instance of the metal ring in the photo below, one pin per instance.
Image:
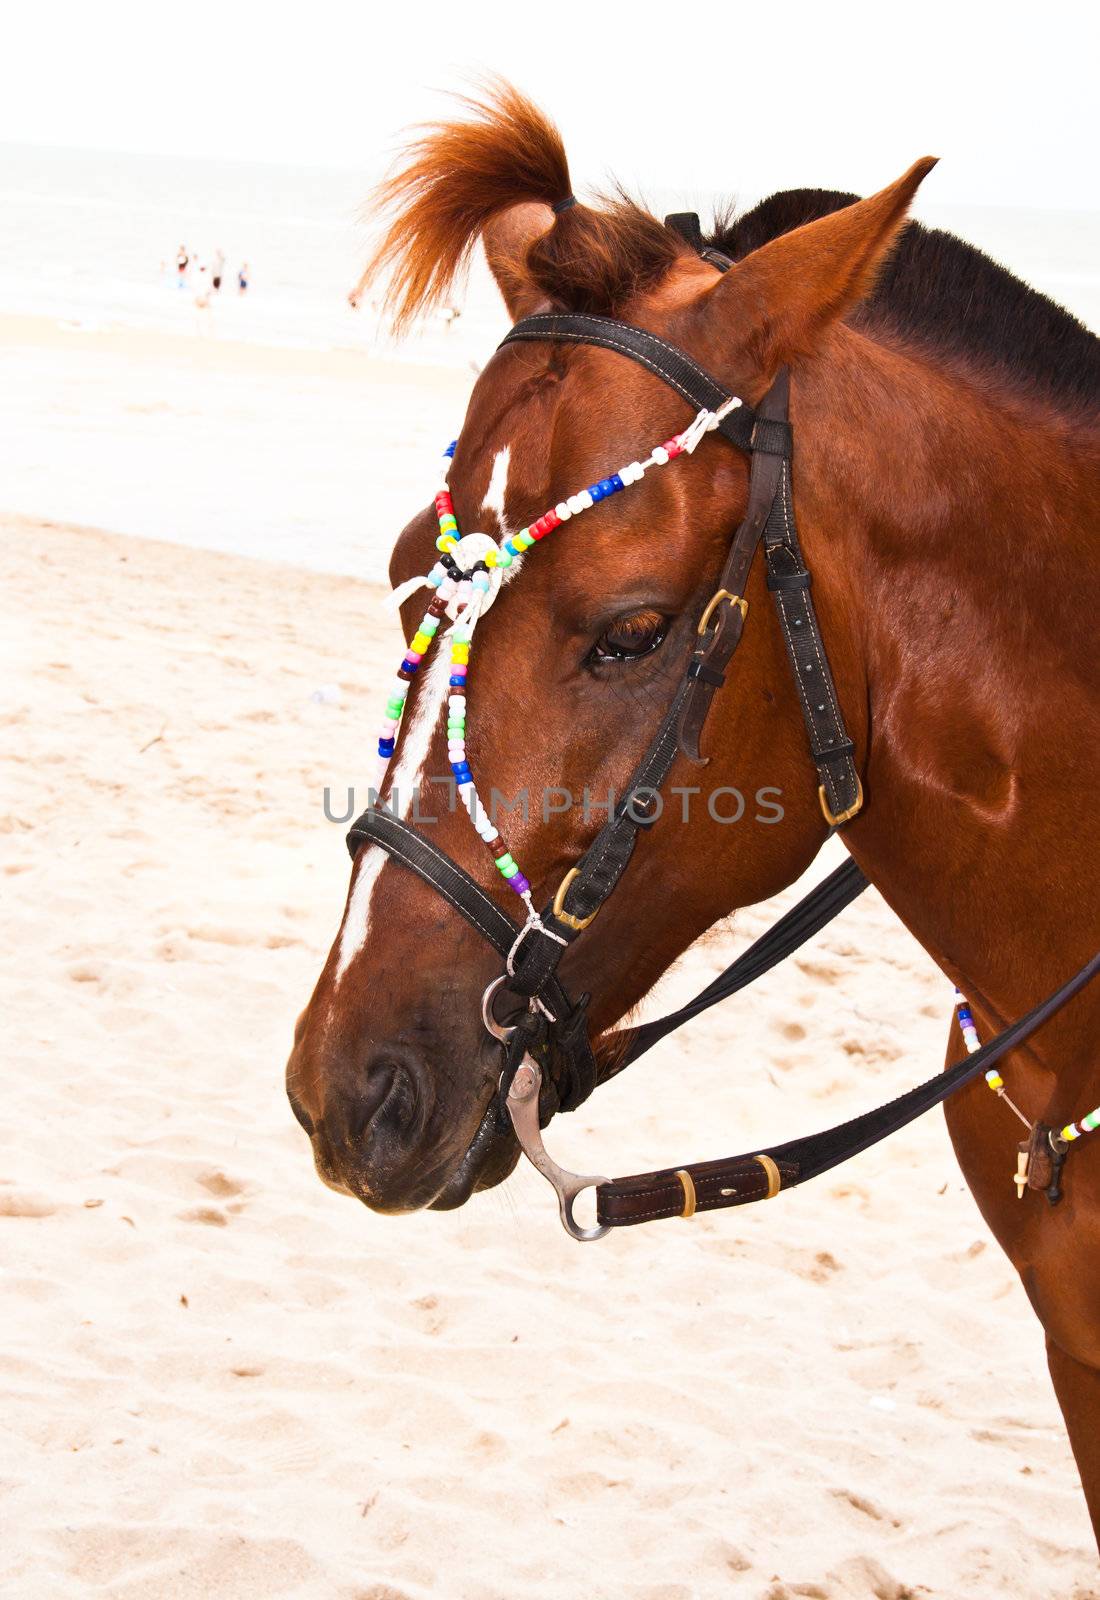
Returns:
(573, 1228)
(492, 1026)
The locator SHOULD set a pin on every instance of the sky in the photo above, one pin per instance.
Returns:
(706, 94)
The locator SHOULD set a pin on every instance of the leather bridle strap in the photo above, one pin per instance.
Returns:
(675, 367)
(812, 913)
(840, 791)
(605, 860)
(771, 447)
(738, 1180)
(766, 435)
(408, 846)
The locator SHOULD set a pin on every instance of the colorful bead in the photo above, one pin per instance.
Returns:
(468, 592)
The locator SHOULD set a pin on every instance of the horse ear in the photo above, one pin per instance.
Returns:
(507, 238)
(782, 296)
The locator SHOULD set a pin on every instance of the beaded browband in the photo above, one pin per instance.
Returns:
(465, 593)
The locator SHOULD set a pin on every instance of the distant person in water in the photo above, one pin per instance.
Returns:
(181, 265)
(217, 267)
(242, 278)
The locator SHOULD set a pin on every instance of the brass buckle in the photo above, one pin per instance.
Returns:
(715, 600)
(844, 816)
(576, 923)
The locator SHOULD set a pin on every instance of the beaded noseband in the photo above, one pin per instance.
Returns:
(548, 1061)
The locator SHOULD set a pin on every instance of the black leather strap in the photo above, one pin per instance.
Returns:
(675, 367)
(790, 582)
(738, 1180)
(686, 224)
(405, 844)
(606, 858)
(726, 624)
(812, 913)
(576, 1077)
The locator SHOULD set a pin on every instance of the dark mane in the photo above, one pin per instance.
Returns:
(939, 291)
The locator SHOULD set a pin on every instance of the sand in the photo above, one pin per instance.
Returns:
(220, 1379)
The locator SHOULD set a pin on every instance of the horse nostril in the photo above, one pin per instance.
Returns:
(389, 1101)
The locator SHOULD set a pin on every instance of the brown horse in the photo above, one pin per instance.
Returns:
(946, 484)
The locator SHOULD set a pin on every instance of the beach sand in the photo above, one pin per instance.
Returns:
(220, 1379)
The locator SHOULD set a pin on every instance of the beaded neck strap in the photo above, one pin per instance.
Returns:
(466, 579)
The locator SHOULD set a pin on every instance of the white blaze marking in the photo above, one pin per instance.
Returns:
(494, 501)
(498, 484)
(408, 777)
(415, 740)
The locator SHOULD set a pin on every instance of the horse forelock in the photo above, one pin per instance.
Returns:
(460, 175)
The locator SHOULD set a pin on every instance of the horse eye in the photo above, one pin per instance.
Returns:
(630, 637)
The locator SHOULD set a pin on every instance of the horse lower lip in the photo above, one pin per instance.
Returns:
(492, 1148)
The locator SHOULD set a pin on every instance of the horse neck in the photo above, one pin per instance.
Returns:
(951, 533)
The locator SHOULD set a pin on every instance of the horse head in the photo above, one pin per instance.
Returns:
(393, 1073)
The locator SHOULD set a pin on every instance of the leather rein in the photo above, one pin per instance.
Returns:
(549, 1064)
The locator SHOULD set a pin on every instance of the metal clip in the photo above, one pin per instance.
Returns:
(523, 1108)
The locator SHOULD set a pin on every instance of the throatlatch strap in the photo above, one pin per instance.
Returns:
(726, 624)
(788, 579)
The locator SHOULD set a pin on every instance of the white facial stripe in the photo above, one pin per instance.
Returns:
(498, 486)
(408, 776)
(494, 501)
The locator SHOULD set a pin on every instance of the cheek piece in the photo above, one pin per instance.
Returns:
(466, 579)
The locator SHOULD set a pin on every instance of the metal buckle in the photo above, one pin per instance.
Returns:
(843, 816)
(715, 600)
(577, 923)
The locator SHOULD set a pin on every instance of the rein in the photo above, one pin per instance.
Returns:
(553, 1029)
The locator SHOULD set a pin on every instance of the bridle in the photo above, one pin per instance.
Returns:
(553, 1030)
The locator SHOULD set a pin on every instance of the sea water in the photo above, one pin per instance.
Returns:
(302, 467)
